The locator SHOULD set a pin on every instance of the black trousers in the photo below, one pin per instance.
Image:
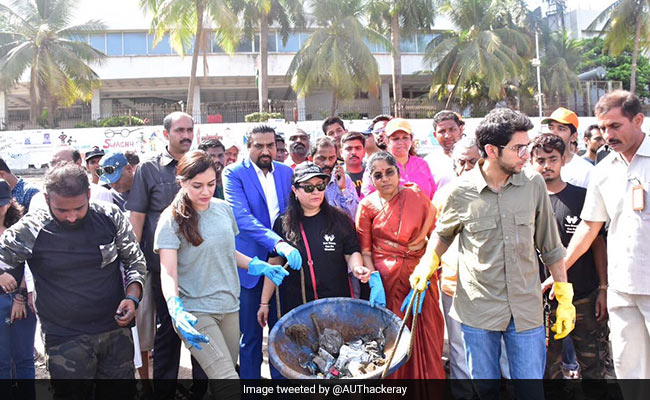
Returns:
(167, 352)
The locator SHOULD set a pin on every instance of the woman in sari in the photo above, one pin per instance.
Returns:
(393, 224)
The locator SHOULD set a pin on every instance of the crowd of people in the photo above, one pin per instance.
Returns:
(529, 255)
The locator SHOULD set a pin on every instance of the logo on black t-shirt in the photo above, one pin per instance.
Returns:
(329, 244)
(571, 224)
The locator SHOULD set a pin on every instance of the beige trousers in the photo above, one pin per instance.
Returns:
(219, 356)
(629, 317)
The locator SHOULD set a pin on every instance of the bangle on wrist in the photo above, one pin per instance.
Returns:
(603, 287)
(134, 299)
(264, 304)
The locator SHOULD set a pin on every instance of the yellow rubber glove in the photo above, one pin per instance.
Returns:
(565, 316)
(423, 271)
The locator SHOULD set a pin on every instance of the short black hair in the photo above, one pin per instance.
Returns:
(4, 167)
(331, 121)
(76, 156)
(279, 138)
(132, 157)
(547, 142)
(256, 130)
(323, 141)
(381, 117)
(211, 144)
(628, 102)
(498, 126)
(446, 115)
(587, 133)
(382, 156)
(169, 118)
(350, 136)
(67, 180)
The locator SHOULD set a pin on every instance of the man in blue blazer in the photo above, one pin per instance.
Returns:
(257, 189)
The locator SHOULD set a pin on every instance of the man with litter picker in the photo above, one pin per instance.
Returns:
(503, 217)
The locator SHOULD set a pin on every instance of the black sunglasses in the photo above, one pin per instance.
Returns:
(389, 173)
(109, 169)
(308, 188)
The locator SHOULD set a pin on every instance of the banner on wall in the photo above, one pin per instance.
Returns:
(34, 148)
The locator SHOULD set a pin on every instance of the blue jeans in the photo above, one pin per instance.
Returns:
(16, 342)
(526, 358)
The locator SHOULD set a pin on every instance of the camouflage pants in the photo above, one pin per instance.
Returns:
(591, 342)
(107, 355)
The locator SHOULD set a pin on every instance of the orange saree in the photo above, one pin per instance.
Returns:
(396, 235)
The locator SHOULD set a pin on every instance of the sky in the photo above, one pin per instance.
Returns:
(595, 5)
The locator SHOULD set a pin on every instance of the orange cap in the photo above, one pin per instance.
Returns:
(563, 116)
(398, 124)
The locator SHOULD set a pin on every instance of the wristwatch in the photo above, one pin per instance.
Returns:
(135, 300)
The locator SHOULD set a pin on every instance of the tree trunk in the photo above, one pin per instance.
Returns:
(397, 63)
(635, 52)
(263, 84)
(51, 111)
(200, 8)
(34, 101)
(334, 104)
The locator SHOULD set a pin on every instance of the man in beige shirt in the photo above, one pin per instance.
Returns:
(618, 194)
(503, 217)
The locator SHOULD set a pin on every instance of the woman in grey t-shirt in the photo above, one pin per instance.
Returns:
(195, 238)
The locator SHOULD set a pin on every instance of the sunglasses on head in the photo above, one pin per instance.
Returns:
(388, 173)
(109, 169)
(308, 187)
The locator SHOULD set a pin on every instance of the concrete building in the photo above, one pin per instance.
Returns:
(146, 81)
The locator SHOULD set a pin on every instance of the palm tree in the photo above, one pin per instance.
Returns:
(37, 35)
(184, 21)
(335, 54)
(486, 47)
(626, 20)
(562, 54)
(397, 18)
(258, 15)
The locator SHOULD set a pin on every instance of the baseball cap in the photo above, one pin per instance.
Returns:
(5, 192)
(307, 170)
(368, 131)
(94, 152)
(398, 124)
(563, 116)
(111, 167)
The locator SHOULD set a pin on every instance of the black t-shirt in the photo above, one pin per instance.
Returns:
(357, 178)
(567, 206)
(328, 250)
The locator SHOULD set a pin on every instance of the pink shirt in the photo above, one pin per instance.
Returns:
(416, 170)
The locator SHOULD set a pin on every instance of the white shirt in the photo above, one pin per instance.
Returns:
(609, 199)
(577, 171)
(441, 166)
(268, 186)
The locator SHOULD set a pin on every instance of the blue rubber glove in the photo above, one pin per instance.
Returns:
(377, 294)
(290, 253)
(184, 322)
(276, 273)
(417, 308)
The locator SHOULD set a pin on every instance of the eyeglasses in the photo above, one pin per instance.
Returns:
(520, 149)
(388, 174)
(308, 188)
(109, 169)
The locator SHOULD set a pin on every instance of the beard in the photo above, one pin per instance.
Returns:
(298, 149)
(70, 226)
(264, 162)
